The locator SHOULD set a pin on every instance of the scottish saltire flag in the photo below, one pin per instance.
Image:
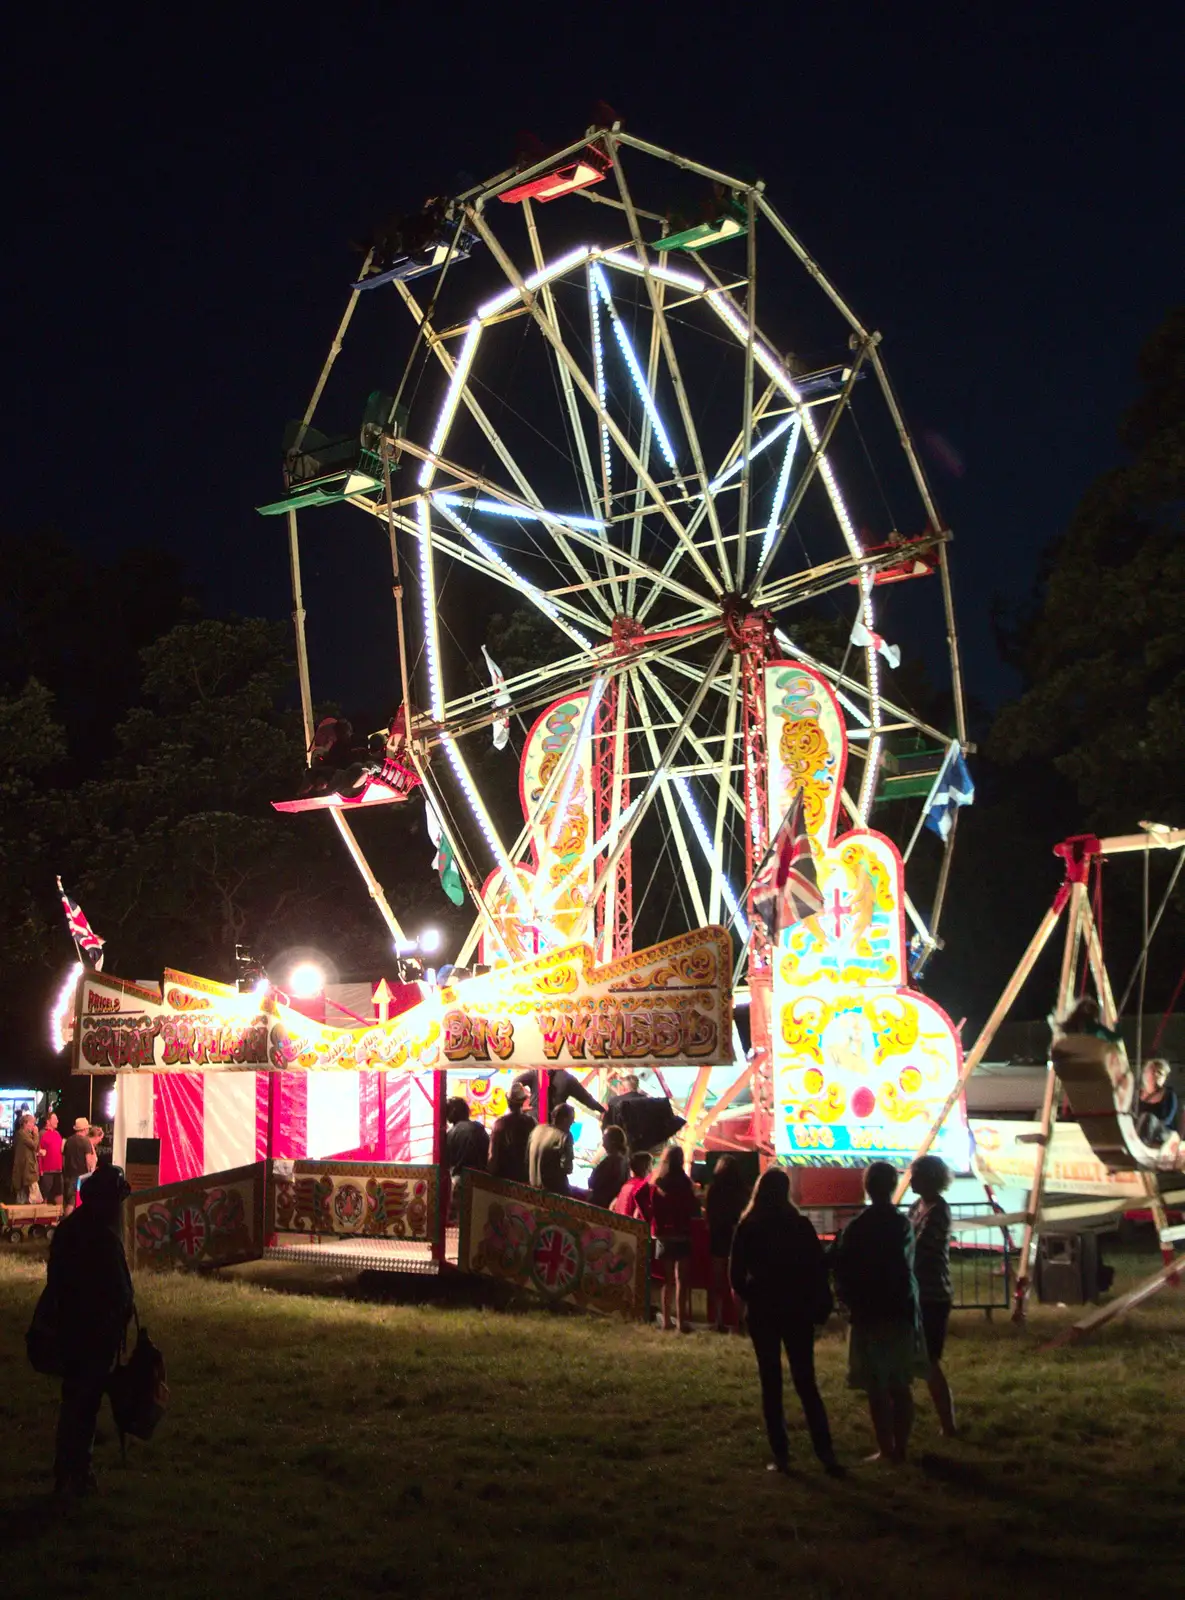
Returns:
(952, 788)
(786, 890)
(501, 727)
(444, 862)
(86, 940)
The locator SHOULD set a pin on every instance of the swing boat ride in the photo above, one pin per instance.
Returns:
(598, 420)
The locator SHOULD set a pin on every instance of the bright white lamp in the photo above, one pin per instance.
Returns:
(306, 980)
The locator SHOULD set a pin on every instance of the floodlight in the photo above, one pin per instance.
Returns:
(306, 980)
(430, 940)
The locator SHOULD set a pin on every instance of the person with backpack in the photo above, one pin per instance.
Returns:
(89, 1289)
(779, 1273)
(874, 1274)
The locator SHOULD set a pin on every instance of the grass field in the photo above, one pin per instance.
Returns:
(321, 1446)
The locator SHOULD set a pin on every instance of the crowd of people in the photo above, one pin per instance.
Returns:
(770, 1274)
(47, 1168)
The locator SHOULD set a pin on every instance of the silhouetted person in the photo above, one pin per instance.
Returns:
(89, 1282)
(467, 1144)
(647, 1120)
(24, 1159)
(779, 1271)
(78, 1158)
(49, 1158)
(929, 1217)
(1159, 1106)
(510, 1138)
(875, 1278)
(675, 1207)
(725, 1201)
(562, 1086)
(611, 1172)
(550, 1154)
(635, 1198)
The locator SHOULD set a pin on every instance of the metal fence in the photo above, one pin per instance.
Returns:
(982, 1259)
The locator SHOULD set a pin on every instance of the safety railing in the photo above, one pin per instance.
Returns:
(982, 1255)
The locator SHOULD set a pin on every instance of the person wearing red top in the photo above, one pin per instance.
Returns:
(634, 1196)
(675, 1206)
(49, 1160)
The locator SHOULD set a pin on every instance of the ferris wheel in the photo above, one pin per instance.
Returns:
(636, 408)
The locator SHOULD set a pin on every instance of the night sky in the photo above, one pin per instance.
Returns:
(995, 188)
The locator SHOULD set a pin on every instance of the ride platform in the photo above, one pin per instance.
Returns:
(390, 786)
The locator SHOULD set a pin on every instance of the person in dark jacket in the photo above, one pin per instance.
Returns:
(24, 1160)
(875, 1278)
(611, 1172)
(466, 1144)
(646, 1120)
(562, 1086)
(778, 1270)
(509, 1140)
(91, 1288)
(727, 1195)
(78, 1158)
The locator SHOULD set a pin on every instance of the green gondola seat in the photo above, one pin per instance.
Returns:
(319, 470)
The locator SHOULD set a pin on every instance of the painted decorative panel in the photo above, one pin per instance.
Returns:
(558, 1248)
(862, 1062)
(353, 1199)
(213, 1221)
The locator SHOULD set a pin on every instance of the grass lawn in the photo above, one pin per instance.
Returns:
(323, 1446)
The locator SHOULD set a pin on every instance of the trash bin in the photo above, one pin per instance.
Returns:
(1067, 1268)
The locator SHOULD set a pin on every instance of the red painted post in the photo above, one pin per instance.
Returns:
(274, 1082)
(443, 1179)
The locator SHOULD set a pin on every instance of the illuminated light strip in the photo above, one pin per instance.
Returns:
(594, 312)
(500, 302)
(705, 843)
(631, 361)
(777, 374)
(548, 271)
(485, 822)
(681, 280)
(428, 599)
(876, 742)
(63, 1005)
(497, 560)
(498, 508)
(762, 444)
(780, 492)
(582, 733)
(451, 399)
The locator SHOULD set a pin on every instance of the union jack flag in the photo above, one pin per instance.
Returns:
(86, 940)
(786, 890)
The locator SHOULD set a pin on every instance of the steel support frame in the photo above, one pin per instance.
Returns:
(753, 636)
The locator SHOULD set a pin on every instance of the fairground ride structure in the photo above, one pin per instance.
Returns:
(1137, 1159)
(599, 418)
